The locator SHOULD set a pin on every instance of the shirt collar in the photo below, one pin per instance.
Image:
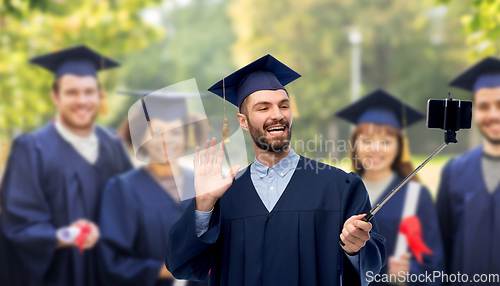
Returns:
(282, 168)
(75, 139)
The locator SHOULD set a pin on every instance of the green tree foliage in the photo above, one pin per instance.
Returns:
(111, 27)
(17, 8)
(199, 39)
(200, 35)
(481, 24)
(404, 50)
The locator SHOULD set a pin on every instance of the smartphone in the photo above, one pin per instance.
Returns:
(449, 114)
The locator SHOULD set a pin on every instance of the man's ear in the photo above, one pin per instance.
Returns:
(54, 97)
(242, 118)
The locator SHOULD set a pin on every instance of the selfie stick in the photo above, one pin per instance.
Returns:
(375, 209)
(449, 137)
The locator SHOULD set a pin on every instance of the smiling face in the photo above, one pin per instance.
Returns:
(377, 146)
(267, 116)
(174, 141)
(77, 99)
(487, 113)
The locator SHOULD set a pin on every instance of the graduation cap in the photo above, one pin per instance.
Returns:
(380, 107)
(484, 74)
(266, 73)
(173, 104)
(80, 60)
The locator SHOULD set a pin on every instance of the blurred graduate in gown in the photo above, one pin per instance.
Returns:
(469, 194)
(140, 206)
(55, 176)
(381, 157)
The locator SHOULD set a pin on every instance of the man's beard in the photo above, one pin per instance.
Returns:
(494, 141)
(263, 142)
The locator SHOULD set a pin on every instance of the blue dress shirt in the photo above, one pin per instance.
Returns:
(270, 183)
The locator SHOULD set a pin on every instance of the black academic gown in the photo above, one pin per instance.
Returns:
(4, 259)
(389, 221)
(297, 243)
(48, 185)
(470, 218)
(136, 216)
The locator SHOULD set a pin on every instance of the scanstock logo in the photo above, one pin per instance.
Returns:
(167, 124)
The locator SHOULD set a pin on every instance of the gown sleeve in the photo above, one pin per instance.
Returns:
(431, 234)
(445, 214)
(119, 265)
(187, 255)
(372, 256)
(26, 216)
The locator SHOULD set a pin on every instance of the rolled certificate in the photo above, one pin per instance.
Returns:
(68, 234)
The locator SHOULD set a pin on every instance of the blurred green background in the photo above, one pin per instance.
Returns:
(410, 48)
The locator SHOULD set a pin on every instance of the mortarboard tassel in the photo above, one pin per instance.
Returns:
(191, 136)
(225, 129)
(293, 106)
(103, 110)
(405, 153)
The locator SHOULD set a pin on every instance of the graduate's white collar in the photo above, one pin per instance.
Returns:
(87, 147)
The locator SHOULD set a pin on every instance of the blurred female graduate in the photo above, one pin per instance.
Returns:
(381, 157)
(139, 207)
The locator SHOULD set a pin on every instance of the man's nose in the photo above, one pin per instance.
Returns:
(81, 98)
(276, 113)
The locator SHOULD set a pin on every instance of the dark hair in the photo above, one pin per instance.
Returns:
(243, 107)
(55, 85)
(401, 168)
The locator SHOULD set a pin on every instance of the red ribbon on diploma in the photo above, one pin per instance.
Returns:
(80, 239)
(412, 229)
